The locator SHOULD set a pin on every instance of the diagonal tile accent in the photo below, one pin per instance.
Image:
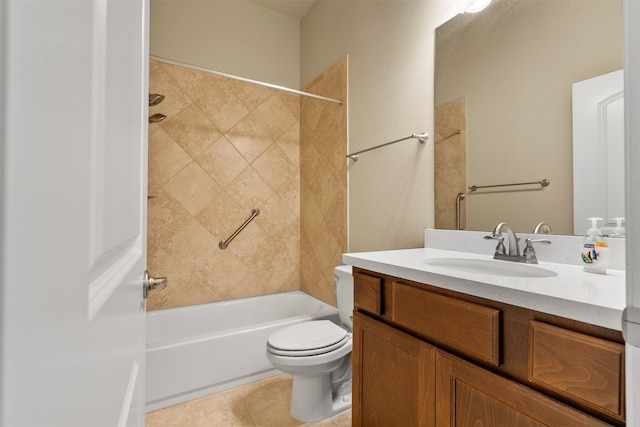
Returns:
(210, 162)
(225, 148)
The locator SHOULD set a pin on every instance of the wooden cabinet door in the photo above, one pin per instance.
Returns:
(393, 377)
(471, 396)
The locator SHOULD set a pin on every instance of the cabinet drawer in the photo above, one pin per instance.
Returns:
(471, 329)
(367, 293)
(583, 368)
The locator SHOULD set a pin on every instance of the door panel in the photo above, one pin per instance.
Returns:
(396, 376)
(73, 89)
(471, 396)
(598, 150)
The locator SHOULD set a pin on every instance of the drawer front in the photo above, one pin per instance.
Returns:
(471, 329)
(583, 368)
(367, 293)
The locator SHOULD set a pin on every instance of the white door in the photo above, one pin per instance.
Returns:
(631, 15)
(598, 151)
(73, 82)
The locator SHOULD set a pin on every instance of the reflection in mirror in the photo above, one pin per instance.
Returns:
(504, 79)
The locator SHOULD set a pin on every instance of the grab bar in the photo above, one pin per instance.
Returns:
(459, 198)
(422, 137)
(543, 182)
(223, 244)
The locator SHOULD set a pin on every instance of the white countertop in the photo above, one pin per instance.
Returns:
(592, 298)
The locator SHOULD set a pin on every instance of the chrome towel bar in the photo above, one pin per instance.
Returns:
(223, 244)
(543, 183)
(422, 137)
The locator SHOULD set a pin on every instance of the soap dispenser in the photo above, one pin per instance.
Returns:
(595, 250)
(618, 231)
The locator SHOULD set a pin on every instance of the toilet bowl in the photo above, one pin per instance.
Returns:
(317, 355)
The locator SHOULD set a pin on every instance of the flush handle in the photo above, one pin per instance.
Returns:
(153, 283)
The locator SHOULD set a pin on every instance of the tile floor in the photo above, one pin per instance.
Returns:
(263, 403)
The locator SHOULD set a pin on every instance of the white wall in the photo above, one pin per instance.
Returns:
(391, 49)
(232, 36)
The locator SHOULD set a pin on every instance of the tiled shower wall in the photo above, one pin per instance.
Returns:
(225, 148)
(323, 182)
(450, 158)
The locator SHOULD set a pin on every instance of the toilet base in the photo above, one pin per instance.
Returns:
(312, 399)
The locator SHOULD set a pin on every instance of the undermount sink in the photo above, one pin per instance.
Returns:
(490, 267)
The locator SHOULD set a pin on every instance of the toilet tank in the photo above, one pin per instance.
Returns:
(344, 294)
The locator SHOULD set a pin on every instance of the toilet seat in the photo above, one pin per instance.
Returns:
(307, 339)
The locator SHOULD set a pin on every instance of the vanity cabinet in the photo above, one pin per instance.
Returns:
(425, 356)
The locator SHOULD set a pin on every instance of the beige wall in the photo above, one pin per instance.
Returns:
(232, 36)
(390, 48)
(225, 148)
(523, 132)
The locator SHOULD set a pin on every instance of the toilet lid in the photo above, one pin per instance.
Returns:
(322, 335)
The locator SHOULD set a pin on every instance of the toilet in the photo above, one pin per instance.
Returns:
(317, 355)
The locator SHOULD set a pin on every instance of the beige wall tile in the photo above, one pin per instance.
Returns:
(249, 189)
(250, 137)
(192, 130)
(205, 188)
(193, 188)
(166, 157)
(323, 145)
(275, 167)
(165, 217)
(222, 162)
(289, 143)
(225, 148)
(222, 106)
(450, 163)
(274, 116)
(251, 95)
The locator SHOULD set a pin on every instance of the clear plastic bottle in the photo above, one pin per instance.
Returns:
(595, 250)
(618, 231)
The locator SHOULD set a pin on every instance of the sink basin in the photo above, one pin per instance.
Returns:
(490, 267)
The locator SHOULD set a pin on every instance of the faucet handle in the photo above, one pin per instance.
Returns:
(500, 250)
(529, 253)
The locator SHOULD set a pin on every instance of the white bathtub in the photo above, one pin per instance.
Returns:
(196, 350)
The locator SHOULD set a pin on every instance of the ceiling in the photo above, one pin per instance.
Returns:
(293, 8)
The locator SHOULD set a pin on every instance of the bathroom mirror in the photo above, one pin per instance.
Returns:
(503, 78)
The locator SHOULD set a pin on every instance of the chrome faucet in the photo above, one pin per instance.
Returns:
(542, 227)
(513, 252)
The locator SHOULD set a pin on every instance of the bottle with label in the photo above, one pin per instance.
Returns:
(618, 231)
(595, 250)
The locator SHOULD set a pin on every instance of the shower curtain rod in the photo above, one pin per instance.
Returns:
(243, 79)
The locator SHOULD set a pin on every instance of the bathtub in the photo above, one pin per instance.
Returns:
(197, 350)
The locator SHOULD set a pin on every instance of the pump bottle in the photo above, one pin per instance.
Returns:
(618, 231)
(595, 250)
